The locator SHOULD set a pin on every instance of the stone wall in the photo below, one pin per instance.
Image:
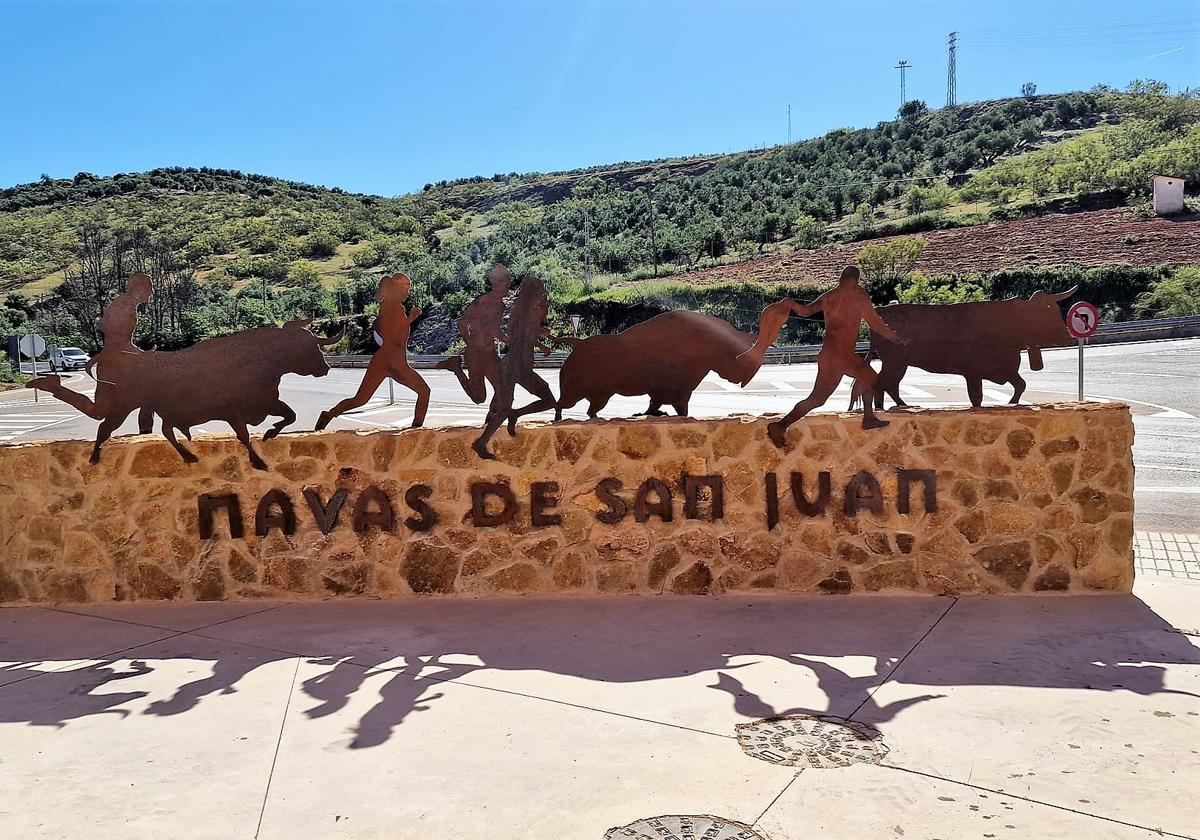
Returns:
(942, 501)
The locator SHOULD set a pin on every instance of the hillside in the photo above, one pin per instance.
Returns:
(1116, 237)
(232, 250)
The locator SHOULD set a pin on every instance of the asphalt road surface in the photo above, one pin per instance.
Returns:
(1160, 380)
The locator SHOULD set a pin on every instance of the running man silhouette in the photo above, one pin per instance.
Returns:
(117, 324)
(393, 325)
(525, 332)
(844, 308)
(479, 327)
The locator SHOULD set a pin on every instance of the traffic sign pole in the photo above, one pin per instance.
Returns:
(1082, 321)
(1080, 369)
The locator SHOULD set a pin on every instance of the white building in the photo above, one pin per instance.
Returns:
(1168, 195)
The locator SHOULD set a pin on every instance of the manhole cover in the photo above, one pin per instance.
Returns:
(805, 741)
(684, 828)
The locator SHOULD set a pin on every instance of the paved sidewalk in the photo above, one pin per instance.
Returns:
(1005, 717)
(1169, 555)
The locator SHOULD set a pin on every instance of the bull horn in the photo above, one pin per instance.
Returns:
(298, 323)
(1060, 296)
(327, 342)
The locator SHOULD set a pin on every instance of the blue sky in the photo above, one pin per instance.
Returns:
(383, 97)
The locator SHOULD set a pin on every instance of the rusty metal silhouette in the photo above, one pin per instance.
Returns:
(480, 328)
(391, 359)
(978, 340)
(118, 323)
(245, 369)
(844, 308)
(525, 333)
(234, 378)
(664, 358)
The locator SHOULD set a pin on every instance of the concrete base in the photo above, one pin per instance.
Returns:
(547, 717)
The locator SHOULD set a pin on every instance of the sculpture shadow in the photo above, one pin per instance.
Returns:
(741, 658)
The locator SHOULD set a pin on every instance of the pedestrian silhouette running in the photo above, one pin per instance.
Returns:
(525, 332)
(393, 325)
(480, 328)
(844, 307)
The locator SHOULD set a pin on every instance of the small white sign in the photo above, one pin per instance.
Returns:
(32, 345)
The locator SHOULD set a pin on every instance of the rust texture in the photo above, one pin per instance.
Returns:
(979, 340)
(525, 332)
(480, 328)
(393, 325)
(480, 491)
(844, 308)
(233, 378)
(664, 358)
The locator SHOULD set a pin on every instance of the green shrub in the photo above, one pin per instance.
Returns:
(1173, 295)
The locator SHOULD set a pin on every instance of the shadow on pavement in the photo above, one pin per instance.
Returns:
(821, 655)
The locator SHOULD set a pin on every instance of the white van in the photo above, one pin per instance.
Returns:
(69, 358)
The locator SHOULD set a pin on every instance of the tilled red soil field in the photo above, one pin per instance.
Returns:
(1087, 240)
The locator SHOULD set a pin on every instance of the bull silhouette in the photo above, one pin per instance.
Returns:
(234, 378)
(664, 358)
(979, 340)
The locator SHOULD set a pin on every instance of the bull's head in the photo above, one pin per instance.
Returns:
(1042, 324)
(303, 354)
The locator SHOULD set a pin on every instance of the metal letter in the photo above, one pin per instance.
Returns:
(872, 500)
(928, 479)
(382, 517)
(326, 515)
(210, 502)
(643, 508)
(275, 511)
(415, 497)
(480, 490)
(543, 496)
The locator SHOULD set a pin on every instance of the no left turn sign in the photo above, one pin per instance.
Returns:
(1082, 320)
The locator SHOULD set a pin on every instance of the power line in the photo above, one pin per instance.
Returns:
(952, 71)
(902, 67)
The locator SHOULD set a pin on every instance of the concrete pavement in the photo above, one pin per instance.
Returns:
(1048, 717)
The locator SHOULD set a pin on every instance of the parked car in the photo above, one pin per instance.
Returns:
(69, 358)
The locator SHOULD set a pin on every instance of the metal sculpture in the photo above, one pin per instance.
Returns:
(525, 332)
(844, 308)
(480, 329)
(979, 340)
(234, 378)
(393, 325)
(664, 358)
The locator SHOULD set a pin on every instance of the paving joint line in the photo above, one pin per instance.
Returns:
(279, 741)
(779, 795)
(1162, 832)
(896, 668)
(102, 656)
(159, 627)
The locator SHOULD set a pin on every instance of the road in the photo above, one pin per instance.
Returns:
(1160, 380)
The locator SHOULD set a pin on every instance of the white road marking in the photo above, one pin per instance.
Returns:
(784, 386)
(17, 432)
(1164, 411)
(910, 392)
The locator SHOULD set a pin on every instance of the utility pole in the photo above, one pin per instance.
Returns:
(902, 67)
(952, 71)
(789, 125)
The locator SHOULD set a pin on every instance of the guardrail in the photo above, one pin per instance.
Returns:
(1156, 329)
